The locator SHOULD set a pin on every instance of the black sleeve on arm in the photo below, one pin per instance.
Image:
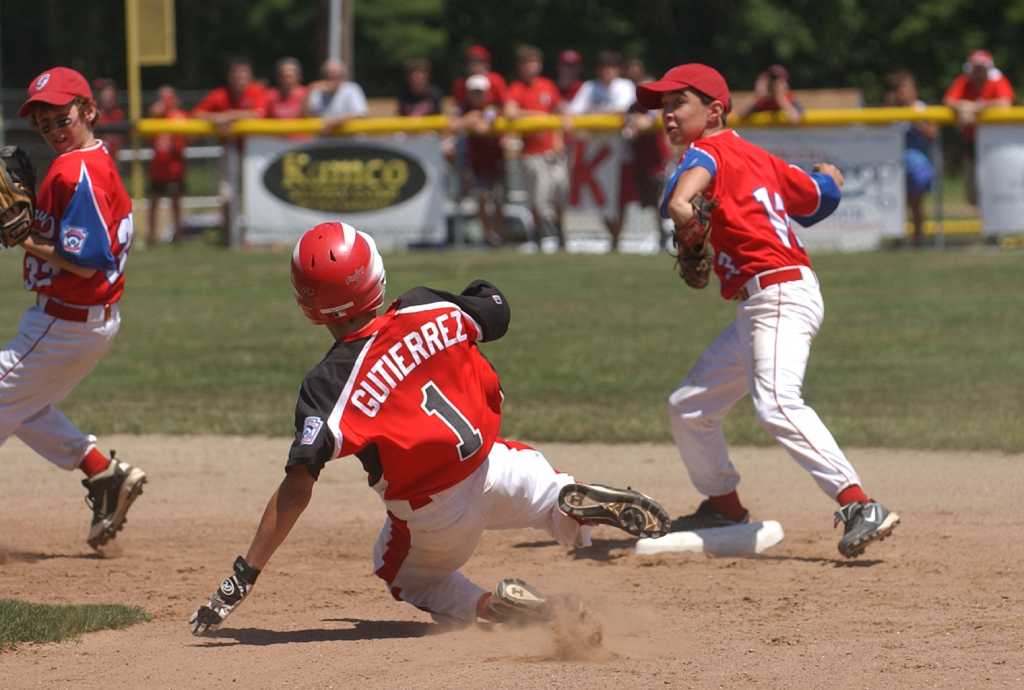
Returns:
(313, 444)
(482, 301)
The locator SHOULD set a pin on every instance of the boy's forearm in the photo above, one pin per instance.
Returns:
(282, 511)
(47, 251)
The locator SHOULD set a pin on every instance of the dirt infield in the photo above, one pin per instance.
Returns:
(938, 605)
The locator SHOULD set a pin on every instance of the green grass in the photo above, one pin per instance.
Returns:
(23, 622)
(918, 349)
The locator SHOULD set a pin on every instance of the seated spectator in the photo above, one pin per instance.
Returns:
(418, 97)
(334, 98)
(288, 98)
(917, 150)
(484, 174)
(112, 122)
(543, 153)
(980, 86)
(567, 74)
(772, 94)
(478, 61)
(167, 169)
(608, 93)
(238, 99)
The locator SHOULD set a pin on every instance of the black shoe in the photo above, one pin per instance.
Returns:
(111, 494)
(864, 523)
(706, 517)
(629, 510)
(514, 601)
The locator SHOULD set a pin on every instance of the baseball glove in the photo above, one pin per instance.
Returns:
(693, 260)
(17, 195)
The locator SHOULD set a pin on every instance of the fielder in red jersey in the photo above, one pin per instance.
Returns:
(410, 395)
(760, 263)
(74, 260)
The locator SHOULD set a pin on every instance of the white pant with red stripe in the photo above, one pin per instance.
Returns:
(38, 369)
(764, 353)
(419, 552)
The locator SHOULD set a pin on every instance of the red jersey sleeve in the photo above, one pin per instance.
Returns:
(1003, 89)
(956, 90)
(798, 189)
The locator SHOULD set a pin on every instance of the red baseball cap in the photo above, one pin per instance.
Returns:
(692, 75)
(478, 52)
(56, 86)
(570, 57)
(981, 57)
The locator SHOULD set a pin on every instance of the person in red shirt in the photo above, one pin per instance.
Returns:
(112, 121)
(762, 265)
(409, 395)
(478, 61)
(981, 86)
(481, 158)
(568, 73)
(167, 169)
(543, 154)
(772, 94)
(288, 98)
(74, 261)
(238, 99)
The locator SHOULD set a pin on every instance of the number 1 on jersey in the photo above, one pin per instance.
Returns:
(435, 403)
(779, 222)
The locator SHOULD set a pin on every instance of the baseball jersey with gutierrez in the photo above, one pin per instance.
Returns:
(411, 396)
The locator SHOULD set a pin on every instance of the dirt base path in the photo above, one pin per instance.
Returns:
(938, 605)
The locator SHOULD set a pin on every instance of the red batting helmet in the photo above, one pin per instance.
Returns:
(337, 273)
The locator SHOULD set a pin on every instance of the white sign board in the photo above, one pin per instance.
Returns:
(389, 188)
(874, 197)
(1000, 169)
(595, 165)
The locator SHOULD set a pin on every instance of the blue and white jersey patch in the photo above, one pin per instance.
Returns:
(82, 237)
(310, 430)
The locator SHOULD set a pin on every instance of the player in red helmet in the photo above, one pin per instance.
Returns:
(408, 393)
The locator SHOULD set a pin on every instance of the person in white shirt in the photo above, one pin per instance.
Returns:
(334, 98)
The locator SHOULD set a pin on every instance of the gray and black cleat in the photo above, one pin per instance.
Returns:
(706, 517)
(864, 523)
(514, 601)
(111, 494)
(629, 510)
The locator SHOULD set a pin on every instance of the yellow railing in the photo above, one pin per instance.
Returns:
(439, 123)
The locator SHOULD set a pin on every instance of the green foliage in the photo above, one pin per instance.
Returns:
(918, 349)
(22, 622)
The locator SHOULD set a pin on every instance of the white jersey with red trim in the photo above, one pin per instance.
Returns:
(84, 209)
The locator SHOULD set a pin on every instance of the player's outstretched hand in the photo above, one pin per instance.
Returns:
(232, 592)
(832, 171)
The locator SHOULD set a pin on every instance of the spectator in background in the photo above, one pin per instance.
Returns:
(772, 94)
(334, 98)
(288, 98)
(239, 98)
(111, 124)
(568, 73)
(484, 176)
(647, 155)
(478, 61)
(980, 86)
(167, 169)
(418, 97)
(917, 150)
(608, 93)
(543, 154)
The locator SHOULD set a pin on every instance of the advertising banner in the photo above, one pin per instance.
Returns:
(1000, 169)
(595, 163)
(389, 188)
(874, 197)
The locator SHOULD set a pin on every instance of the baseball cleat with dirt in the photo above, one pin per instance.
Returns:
(111, 494)
(514, 601)
(864, 523)
(629, 510)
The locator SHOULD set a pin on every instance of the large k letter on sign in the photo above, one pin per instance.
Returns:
(595, 174)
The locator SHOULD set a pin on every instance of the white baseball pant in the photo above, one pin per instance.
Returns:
(764, 353)
(39, 368)
(419, 551)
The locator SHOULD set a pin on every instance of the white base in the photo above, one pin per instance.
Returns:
(735, 540)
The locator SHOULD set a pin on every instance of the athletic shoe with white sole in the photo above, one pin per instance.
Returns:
(514, 601)
(111, 494)
(629, 510)
(706, 517)
(864, 523)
